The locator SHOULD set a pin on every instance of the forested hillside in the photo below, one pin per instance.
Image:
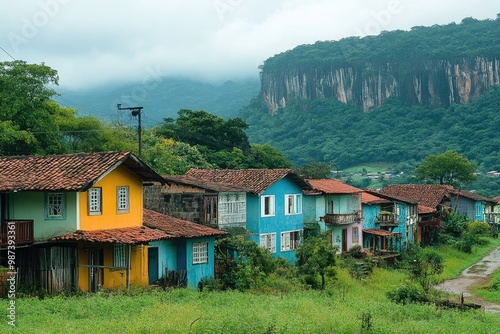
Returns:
(326, 128)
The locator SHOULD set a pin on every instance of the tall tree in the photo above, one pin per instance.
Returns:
(317, 257)
(24, 109)
(449, 167)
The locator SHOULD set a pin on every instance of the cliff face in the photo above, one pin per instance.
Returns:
(433, 83)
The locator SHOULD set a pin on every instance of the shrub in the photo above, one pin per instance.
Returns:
(406, 294)
(478, 228)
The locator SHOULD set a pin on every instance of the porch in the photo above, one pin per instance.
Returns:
(387, 220)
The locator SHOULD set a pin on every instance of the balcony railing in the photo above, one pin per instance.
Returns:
(342, 218)
(387, 220)
(20, 232)
(490, 218)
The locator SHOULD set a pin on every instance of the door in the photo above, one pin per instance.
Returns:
(153, 264)
(95, 269)
(344, 240)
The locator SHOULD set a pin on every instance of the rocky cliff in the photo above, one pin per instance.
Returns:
(433, 83)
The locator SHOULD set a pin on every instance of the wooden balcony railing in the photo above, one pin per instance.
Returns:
(342, 218)
(490, 218)
(19, 231)
(387, 220)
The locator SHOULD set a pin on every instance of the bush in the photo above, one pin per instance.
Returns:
(407, 294)
(478, 228)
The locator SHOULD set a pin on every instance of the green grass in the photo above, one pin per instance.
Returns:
(490, 291)
(338, 309)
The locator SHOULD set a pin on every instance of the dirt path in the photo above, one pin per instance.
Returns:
(477, 274)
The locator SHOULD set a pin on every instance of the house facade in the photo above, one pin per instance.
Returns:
(186, 256)
(335, 207)
(273, 205)
(78, 219)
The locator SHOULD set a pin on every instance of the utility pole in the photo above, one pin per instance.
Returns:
(136, 111)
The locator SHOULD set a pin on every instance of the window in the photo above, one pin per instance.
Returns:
(200, 252)
(267, 206)
(293, 204)
(55, 205)
(210, 207)
(123, 199)
(94, 196)
(119, 256)
(355, 235)
(268, 241)
(290, 240)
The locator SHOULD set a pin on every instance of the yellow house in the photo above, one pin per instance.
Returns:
(81, 218)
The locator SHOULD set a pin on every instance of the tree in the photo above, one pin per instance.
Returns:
(317, 257)
(316, 170)
(449, 167)
(425, 264)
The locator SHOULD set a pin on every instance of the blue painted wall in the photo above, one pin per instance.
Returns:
(195, 272)
(370, 213)
(464, 205)
(279, 222)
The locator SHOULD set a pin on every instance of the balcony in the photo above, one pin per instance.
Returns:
(387, 220)
(21, 232)
(490, 218)
(342, 218)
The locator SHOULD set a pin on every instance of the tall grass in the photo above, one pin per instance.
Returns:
(340, 308)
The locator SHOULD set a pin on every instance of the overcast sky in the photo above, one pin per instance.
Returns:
(95, 42)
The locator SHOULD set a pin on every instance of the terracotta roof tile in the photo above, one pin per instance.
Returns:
(71, 172)
(214, 186)
(367, 198)
(176, 227)
(333, 186)
(377, 231)
(430, 195)
(125, 235)
(473, 196)
(422, 210)
(255, 180)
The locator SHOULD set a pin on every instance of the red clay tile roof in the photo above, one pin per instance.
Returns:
(377, 231)
(430, 195)
(176, 227)
(367, 198)
(71, 172)
(392, 198)
(422, 210)
(256, 180)
(125, 235)
(473, 196)
(213, 186)
(333, 186)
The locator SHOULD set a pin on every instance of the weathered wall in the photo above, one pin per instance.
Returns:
(433, 83)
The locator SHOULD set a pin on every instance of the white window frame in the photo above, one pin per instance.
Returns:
(268, 240)
(95, 201)
(293, 204)
(122, 199)
(55, 203)
(200, 252)
(119, 255)
(272, 206)
(289, 243)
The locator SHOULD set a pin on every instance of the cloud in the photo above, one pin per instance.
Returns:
(100, 42)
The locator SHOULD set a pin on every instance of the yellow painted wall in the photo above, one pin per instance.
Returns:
(109, 217)
(115, 279)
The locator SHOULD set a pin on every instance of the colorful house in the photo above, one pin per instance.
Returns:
(474, 206)
(336, 207)
(77, 220)
(214, 204)
(433, 201)
(185, 256)
(398, 217)
(273, 204)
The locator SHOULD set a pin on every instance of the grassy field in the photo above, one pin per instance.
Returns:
(341, 308)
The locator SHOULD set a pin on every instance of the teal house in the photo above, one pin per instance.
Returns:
(186, 256)
(273, 203)
(335, 206)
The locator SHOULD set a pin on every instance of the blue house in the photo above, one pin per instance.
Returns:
(474, 206)
(273, 205)
(335, 206)
(184, 257)
(396, 223)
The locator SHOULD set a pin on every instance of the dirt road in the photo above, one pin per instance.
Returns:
(477, 274)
